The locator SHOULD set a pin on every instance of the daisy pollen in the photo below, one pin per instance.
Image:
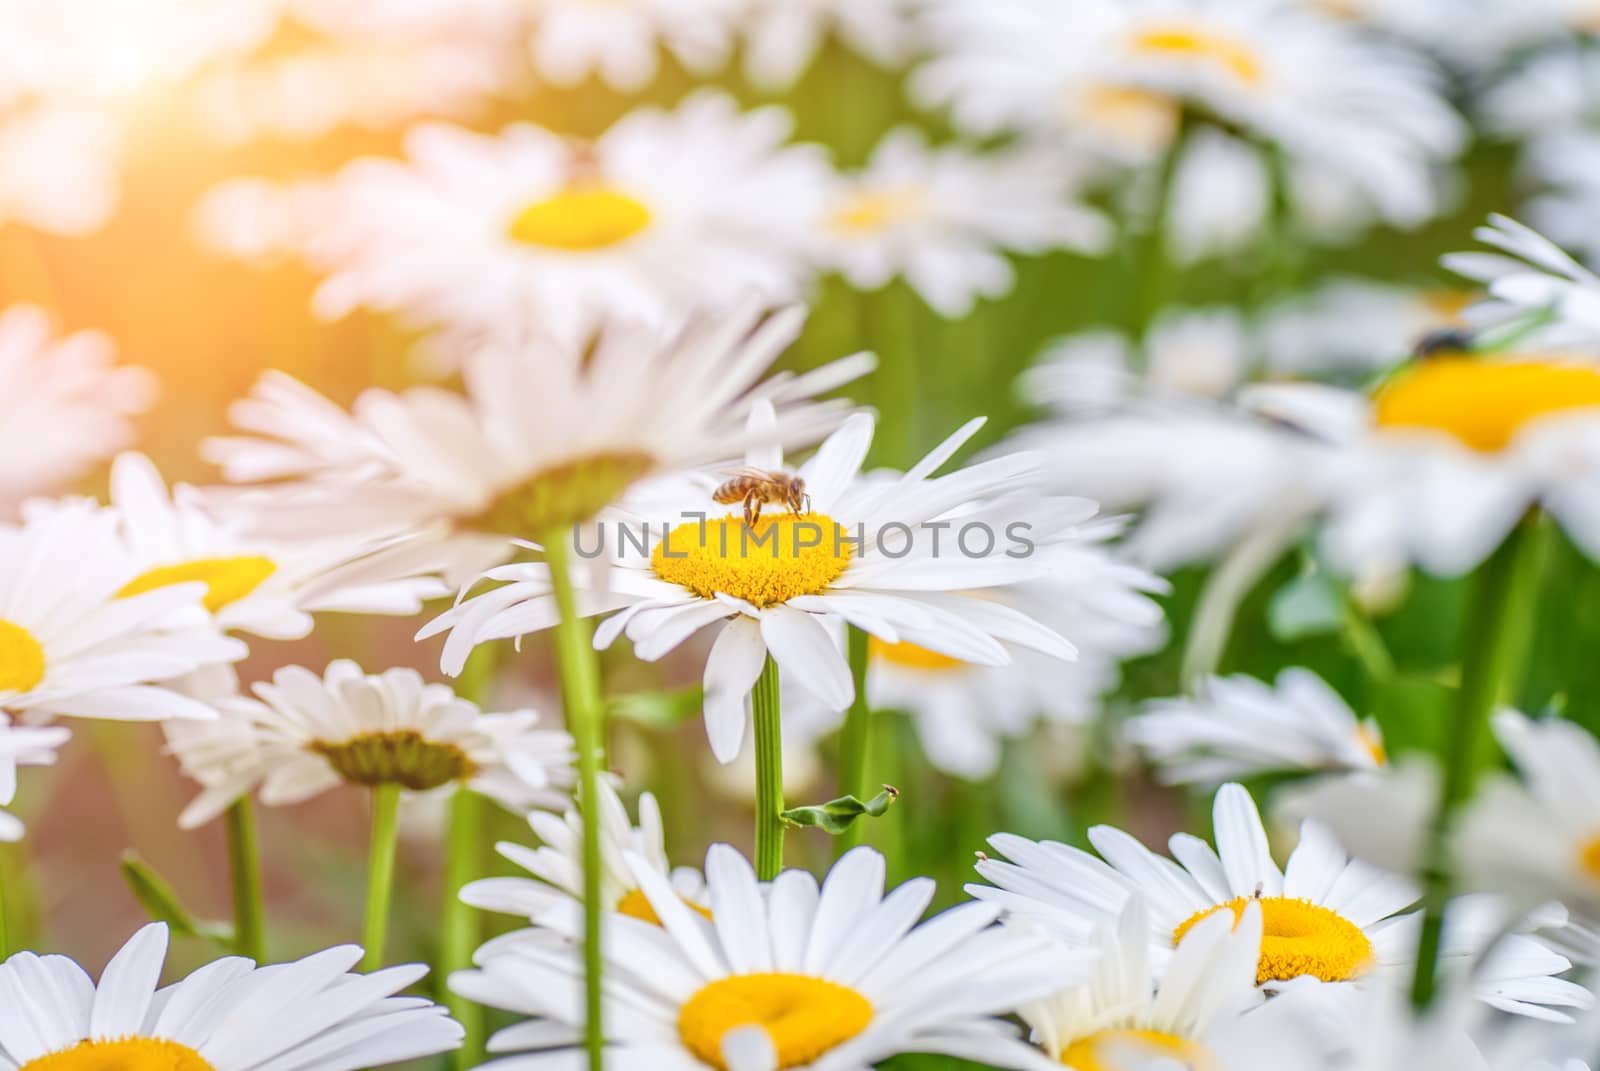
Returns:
(1484, 404)
(1197, 43)
(580, 218)
(803, 1017)
(724, 556)
(124, 1054)
(1298, 938)
(21, 658)
(227, 580)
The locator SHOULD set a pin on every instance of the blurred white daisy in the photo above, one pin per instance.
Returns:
(1237, 727)
(1326, 918)
(72, 645)
(780, 976)
(1121, 1019)
(557, 864)
(946, 218)
(309, 733)
(323, 1017)
(23, 746)
(863, 551)
(964, 712)
(60, 167)
(621, 43)
(665, 213)
(251, 585)
(545, 436)
(64, 405)
(1350, 326)
(1538, 838)
(783, 37)
(1349, 104)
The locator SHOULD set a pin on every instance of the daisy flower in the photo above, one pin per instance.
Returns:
(780, 976)
(863, 552)
(1238, 727)
(72, 644)
(60, 167)
(1539, 838)
(545, 436)
(964, 712)
(783, 37)
(1350, 326)
(1326, 918)
(621, 43)
(1529, 279)
(946, 218)
(1120, 1019)
(64, 405)
(557, 863)
(309, 733)
(1350, 105)
(322, 1016)
(693, 209)
(256, 586)
(23, 746)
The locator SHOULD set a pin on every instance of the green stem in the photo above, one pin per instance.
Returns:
(244, 868)
(1225, 590)
(380, 870)
(580, 686)
(1499, 628)
(461, 929)
(855, 740)
(5, 939)
(769, 773)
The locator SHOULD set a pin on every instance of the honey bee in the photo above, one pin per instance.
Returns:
(755, 488)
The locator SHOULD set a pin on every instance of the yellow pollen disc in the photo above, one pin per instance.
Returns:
(1125, 1050)
(564, 494)
(126, 1054)
(1589, 857)
(403, 758)
(637, 906)
(227, 580)
(21, 659)
(1372, 743)
(1149, 119)
(1483, 404)
(875, 211)
(784, 556)
(579, 219)
(1448, 305)
(1193, 42)
(804, 1017)
(911, 656)
(1298, 938)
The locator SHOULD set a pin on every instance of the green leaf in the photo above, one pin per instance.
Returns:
(659, 710)
(161, 902)
(1308, 605)
(838, 815)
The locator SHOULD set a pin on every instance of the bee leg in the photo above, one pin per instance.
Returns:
(752, 510)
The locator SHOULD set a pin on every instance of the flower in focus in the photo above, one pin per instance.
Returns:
(1325, 918)
(780, 976)
(558, 863)
(71, 644)
(854, 555)
(1238, 727)
(666, 212)
(463, 474)
(23, 746)
(945, 218)
(256, 586)
(783, 37)
(322, 1018)
(303, 734)
(63, 405)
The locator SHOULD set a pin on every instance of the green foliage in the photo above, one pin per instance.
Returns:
(838, 815)
(160, 901)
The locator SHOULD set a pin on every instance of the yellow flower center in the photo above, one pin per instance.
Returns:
(563, 495)
(911, 656)
(1448, 305)
(126, 1054)
(1589, 857)
(403, 758)
(227, 580)
(1298, 938)
(784, 556)
(867, 212)
(804, 1017)
(1125, 1050)
(580, 219)
(21, 659)
(1198, 43)
(1369, 740)
(637, 906)
(1483, 404)
(1147, 119)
